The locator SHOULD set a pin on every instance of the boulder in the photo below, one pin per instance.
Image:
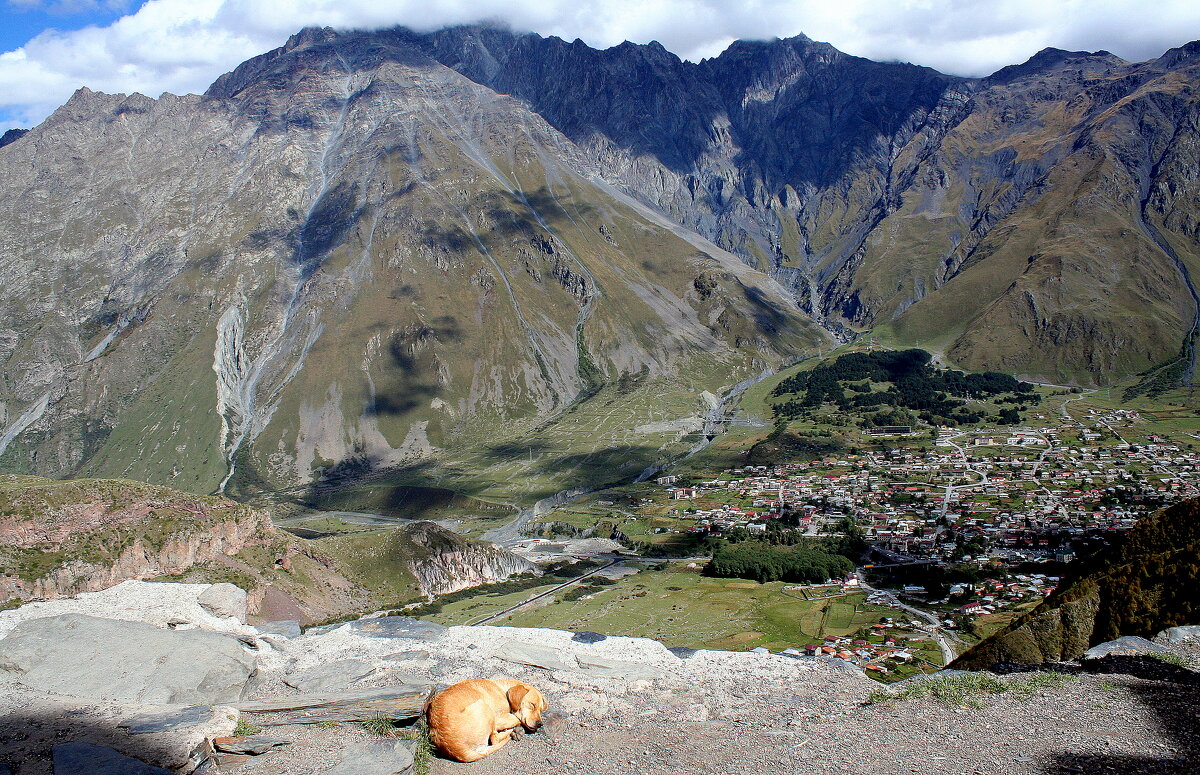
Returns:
(1186, 634)
(376, 757)
(129, 662)
(225, 600)
(286, 628)
(537, 656)
(331, 676)
(1127, 646)
(79, 758)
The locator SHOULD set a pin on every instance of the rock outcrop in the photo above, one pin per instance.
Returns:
(443, 561)
(133, 663)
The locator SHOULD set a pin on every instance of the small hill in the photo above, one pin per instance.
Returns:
(1140, 585)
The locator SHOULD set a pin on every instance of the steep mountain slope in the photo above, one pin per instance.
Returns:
(1141, 585)
(1040, 221)
(349, 261)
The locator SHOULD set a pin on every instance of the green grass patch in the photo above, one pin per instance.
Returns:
(966, 691)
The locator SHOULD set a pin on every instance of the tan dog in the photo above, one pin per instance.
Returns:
(473, 718)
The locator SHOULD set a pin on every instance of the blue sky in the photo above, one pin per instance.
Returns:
(21, 21)
(50, 48)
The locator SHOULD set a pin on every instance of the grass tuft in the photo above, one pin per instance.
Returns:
(1168, 657)
(964, 691)
(245, 727)
(380, 725)
(423, 750)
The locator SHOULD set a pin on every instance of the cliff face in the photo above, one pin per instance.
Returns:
(421, 558)
(1143, 584)
(1040, 221)
(446, 562)
(61, 538)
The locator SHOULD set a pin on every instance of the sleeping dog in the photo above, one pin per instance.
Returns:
(473, 718)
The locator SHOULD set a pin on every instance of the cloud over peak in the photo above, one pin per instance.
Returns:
(183, 45)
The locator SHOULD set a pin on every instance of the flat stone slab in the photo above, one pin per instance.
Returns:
(402, 702)
(1127, 646)
(376, 757)
(129, 662)
(81, 758)
(168, 720)
(389, 627)
(331, 677)
(603, 667)
(286, 628)
(251, 745)
(535, 656)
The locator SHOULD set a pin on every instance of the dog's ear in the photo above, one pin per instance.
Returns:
(516, 695)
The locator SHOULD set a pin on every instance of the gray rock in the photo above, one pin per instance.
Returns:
(602, 667)
(4, 770)
(388, 627)
(254, 745)
(132, 662)
(79, 758)
(376, 757)
(287, 628)
(1127, 646)
(1181, 634)
(224, 599)
(330, 677)
(168, 720)
(398, 627)
(537, 656)
(401, 656)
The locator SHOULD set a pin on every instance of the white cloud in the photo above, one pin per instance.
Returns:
(182, 45)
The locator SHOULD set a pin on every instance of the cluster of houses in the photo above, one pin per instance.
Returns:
(926, 504)
(881, 654)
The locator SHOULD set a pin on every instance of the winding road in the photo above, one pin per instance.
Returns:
(943, 641)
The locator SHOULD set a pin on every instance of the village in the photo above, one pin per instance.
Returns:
(979, 497)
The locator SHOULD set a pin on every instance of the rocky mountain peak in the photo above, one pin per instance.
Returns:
(11, 136)
(1050, 60)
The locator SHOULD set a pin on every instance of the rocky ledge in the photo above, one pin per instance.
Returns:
(167, 678)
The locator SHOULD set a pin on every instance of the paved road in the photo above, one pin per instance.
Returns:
(501, 614)
(935, 626)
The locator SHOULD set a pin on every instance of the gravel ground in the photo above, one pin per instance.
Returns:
(1094, 723)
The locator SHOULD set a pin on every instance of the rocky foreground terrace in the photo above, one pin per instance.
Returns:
(153, 678)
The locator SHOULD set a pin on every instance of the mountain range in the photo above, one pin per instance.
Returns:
(504, 264)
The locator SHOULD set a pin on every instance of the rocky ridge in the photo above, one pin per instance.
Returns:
(617, 704)
(1033, 221)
